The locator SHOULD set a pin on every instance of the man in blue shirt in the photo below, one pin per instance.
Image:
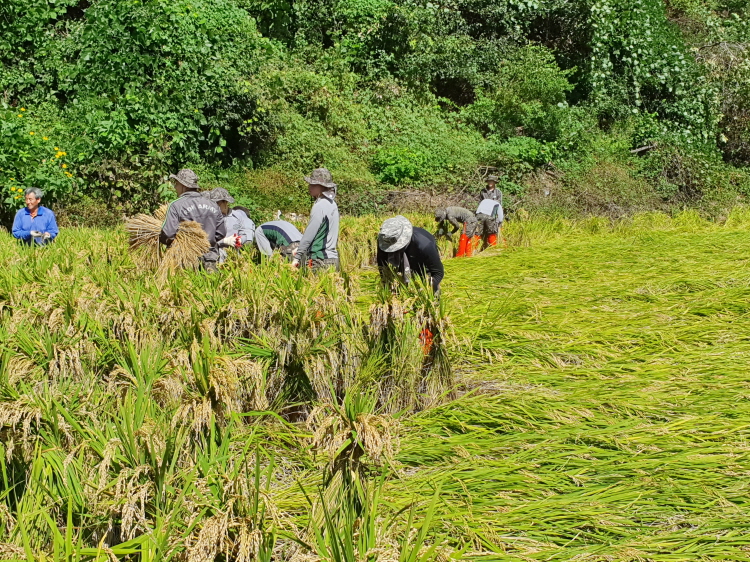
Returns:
(35, 223)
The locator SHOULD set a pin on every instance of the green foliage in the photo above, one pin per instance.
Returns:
(382, 92)
(398, 165)
(639, 63)
(530, 97)
(29, 158)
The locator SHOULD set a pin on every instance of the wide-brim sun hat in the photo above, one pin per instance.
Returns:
(321, 176)
(395, 234)
(220, 194)
(186, 177)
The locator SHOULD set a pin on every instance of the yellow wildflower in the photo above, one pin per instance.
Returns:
(45, 138)
(23, 109)
(64, 166)
(57, 148)
(31, 132)
(20, 115)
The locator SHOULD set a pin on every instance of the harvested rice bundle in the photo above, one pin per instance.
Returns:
(189, 245)
(184, 253)
(143, 232)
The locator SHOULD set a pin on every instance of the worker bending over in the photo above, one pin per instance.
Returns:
(277, 235)
(463, 221)
(192, 206)
(240, 228)
(490, 221)
(407, 250)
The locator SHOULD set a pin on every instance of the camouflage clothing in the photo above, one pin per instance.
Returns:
(323, 264)
(462, 220)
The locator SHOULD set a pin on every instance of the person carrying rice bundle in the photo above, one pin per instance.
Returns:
(408, 250)
(192, 206)
(319, 245)
(277, 235)
(463, 221)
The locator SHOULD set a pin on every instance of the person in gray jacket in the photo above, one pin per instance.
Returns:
(240, 228)
(319, 244)
(191, 206)
(280, 235)
(491, 191)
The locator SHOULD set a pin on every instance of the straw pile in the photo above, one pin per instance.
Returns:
(188, 246)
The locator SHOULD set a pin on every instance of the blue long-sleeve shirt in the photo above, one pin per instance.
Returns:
(44, 221)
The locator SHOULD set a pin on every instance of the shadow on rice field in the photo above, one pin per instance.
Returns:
(600, 409)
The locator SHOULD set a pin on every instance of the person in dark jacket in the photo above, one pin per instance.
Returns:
(408, 250)
(34, 223)
(281, 235)
(491, 191)
(192, 206)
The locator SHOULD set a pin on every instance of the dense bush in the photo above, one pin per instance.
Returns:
(30, 158)
(385, 93)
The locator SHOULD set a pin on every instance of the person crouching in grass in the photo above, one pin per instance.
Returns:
(35, 223)
(240, 227)
(319, 244)
(406, 250)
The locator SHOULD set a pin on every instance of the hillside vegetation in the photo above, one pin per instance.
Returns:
(102, 98)
(596, 408)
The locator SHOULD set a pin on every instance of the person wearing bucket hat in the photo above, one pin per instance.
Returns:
(408, 250)
(463, 221)
(191, 206)
(490, 191)
(319, 245)
(240, 228)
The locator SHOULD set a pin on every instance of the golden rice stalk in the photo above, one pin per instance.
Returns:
(189, 245)
(212, 539)
(10, 551)
(143, 233)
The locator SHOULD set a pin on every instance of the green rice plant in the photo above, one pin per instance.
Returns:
(409, 328)
(583, 398)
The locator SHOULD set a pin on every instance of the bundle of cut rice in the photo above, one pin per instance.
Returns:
(184, 252)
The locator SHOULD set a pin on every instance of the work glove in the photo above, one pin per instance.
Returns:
(232, 240)
(46, 236)
(35, 234)
(295, 263)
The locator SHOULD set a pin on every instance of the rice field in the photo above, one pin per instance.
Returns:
(586, 398)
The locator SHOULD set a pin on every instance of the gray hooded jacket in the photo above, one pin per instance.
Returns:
(320, 240)
(191, 206)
